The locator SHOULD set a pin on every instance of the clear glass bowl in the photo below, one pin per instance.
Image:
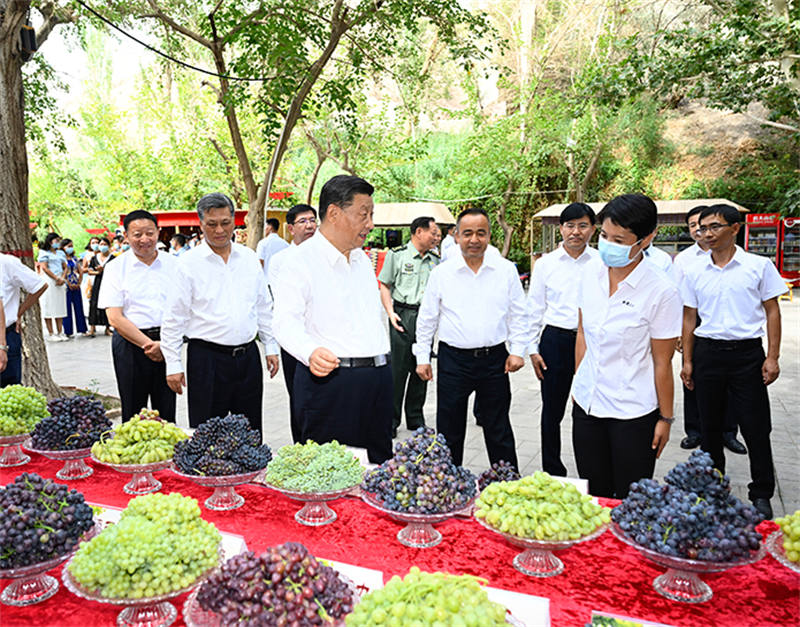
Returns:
(144, 612)
(537, 559)
(74, 466)
(418, 532)
(225, 496)
(774, 545)
(681, 582)
(10, 453)
(31, 584)
(315, 512)
(143, 481)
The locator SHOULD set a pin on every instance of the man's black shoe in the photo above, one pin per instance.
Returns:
(690, 441)
(763, 506)
(733, 445)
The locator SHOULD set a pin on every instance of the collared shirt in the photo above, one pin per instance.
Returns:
(473, 310)
(329, 301)
(553, 295)
(276, 262)
(267, 247)
(405, 271)
(686, 258)
(140, 290)
(729, 299)
(53, 259)
(16, 276)
(616, 378)
(661, 260)
(224, 303)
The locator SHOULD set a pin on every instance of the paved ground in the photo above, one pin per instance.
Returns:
(86, 363)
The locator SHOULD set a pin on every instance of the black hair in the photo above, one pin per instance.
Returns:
(274, 223)
(340, 190)
(47, 244)
(730, 214)
(64, 243)
(215, 200)
(295, 211)
(139, 214)
(106, 240)
(180, 238)
(694, 211)
(576, 211)
(635, 212)
(420, 223)
(473, 211)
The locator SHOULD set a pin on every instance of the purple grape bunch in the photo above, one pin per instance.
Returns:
(421, 477)
(693, 515)
(39, 520)
(222, 446)
(499, 471)
(285, 585)
(75, 422)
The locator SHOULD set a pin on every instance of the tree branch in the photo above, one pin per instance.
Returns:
(783, 127)
(53, 16)
(161, 15)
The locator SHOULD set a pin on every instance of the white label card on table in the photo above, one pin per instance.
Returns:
(530, 610)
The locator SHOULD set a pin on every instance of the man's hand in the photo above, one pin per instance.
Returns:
(272, 365)
(176, 382)
(153, 350)
(425, 372)
(59, 281)
(3, 359)
(679, 345)
(322, 362)
(394, 320)
(686, 377)
(770, 370)
(660, 437)
(538, 365)
(514, 363)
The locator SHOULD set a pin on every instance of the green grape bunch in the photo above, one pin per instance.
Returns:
(20, 409)
(159, 545)
(313, 467)
(790, 526)
(540, 507)
(139, 441)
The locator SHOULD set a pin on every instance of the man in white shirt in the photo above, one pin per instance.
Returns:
(271, 244)
(449, 243)
(219, 302)
(16, 276)
(735, 294)
(328, 315)
(476, 303)
(691, 418)
(134, 294)
(553, 314)
(301, 221)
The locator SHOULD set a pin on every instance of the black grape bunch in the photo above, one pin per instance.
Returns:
(75, 422)
(499, 471)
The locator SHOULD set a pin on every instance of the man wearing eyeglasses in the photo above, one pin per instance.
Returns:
(735, 293)
(301, 222)
(553, 312)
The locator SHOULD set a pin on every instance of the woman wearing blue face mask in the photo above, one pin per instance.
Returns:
(53, 264)
(73, 281)
(96, 265)
(630, 315)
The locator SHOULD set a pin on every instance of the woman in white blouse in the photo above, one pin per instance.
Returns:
(629, 318)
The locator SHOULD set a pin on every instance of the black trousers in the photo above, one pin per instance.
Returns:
(557, 348)
(406, 383)
(289, 364)
(727, 376)
(462, 372)
(350, 405)
(612, 453)
(13, 372)
(220, 382)
(140, 379)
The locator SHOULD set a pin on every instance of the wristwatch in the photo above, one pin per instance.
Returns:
(669, 421)
(4, 347)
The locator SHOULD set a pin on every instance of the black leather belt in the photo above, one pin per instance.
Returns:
(154, 333)
(572, 332)
(483, 351)
(364, 362)
(234, 351)
(729, 345)
(399, 305)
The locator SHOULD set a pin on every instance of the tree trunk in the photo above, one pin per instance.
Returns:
(508, 230)
(15, 233)
(313, 181)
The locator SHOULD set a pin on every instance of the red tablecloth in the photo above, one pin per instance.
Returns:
(603, 574)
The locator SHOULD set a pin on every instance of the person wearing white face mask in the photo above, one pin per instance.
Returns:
(53, 263)
(97, 315)
(629, 317)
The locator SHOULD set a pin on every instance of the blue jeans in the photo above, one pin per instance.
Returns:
(13, 372)
(74, 302)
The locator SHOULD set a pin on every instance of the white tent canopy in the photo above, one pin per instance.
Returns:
(404, 213)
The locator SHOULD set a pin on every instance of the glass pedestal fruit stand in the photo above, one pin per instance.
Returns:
(225, 497)
(10, 453)
(74, 465)
(142, 481)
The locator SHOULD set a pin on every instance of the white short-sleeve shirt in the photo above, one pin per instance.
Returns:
(16, 276)
(729, 299)
(616, 378)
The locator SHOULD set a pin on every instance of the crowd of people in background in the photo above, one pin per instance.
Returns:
(600, 326)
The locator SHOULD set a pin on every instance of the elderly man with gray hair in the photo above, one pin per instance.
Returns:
(219, 303)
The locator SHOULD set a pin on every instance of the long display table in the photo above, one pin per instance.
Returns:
(603, 574)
